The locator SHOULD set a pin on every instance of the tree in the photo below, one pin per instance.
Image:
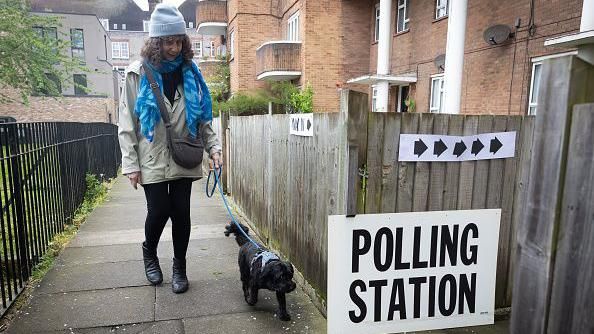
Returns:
(33, 59)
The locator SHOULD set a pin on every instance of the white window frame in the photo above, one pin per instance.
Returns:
(190, 25)
(117, 50)
(537, 61)
(377, 22)
(399, 106)
(105, 23)
(439, 107)
(212, 49)
(145, 25)
(533, 102)
(374, 91)
(197, 49)
(123, 26)
(232, 44)
(115, 26)
(293, 27)
(406, 19)
(441, 5)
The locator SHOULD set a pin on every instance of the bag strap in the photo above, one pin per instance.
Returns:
(157, 92)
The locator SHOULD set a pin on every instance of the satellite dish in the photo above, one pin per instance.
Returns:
(497, 34)
(439, 62)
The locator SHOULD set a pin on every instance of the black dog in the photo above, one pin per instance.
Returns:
(262, 269)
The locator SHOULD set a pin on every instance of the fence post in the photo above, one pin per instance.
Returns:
(564, 83)
(225, 144)
(21, 224)
(356, 107)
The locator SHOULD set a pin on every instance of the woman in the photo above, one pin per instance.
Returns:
(146, 158)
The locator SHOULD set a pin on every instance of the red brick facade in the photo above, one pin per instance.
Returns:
(338, 44)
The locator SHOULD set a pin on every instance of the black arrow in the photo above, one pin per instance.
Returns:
(308, 124)
(495, 145)
(439, 147)
(420, 147)
(477, 146)
(459, 148)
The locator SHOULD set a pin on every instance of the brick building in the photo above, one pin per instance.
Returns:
(397, 51)
(98, 104)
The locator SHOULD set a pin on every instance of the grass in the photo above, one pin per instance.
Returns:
(94, 196)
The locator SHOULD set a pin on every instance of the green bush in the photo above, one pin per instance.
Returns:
(245, 104)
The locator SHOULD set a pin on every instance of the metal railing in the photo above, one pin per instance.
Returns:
(43, 169)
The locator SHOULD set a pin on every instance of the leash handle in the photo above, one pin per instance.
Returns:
(220, 187)
(216, 180)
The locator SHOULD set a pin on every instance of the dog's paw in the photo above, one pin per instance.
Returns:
(284, 316)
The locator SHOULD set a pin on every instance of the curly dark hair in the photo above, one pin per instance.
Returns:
(152, 49)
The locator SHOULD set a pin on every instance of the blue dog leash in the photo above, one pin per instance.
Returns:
(217, 182)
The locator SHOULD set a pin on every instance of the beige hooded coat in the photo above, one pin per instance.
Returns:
(153, 159)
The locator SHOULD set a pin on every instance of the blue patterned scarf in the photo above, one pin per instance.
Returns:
(197, 96)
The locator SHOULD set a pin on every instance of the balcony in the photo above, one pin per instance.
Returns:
(211, 17)
(278, 60)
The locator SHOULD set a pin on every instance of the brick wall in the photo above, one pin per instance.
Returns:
(64, 109)
(496, 79)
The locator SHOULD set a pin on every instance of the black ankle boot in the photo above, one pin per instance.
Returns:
(179, 282)
(151, 265)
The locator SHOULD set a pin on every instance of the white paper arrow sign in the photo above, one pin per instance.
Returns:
(422, 147)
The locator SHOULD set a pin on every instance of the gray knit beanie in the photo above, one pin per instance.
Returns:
(166, 20)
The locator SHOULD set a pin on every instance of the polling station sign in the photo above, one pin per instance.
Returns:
(402, 272)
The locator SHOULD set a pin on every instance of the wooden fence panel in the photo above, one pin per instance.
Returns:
(289, 196)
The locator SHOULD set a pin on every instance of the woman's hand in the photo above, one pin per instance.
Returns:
(217, 160)
(135, 178)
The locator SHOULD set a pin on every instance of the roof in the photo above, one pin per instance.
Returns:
(188, 10)
(116, 11)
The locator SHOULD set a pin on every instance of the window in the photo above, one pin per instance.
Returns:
(80, 83)
(48, 33)
(123, 26)
(293, 28)
(212, 49)
(145, 25)
(119, 50)
(437, 94)
(122, 71)
(115, 26)
(232, 44)
(53, 88)
(197, 49)
(377, 22)
(104, 23)
(534, 87)
(402, 97)
(402, 16)
(441, 8)
(190, 24)
(77, 44)
(373, 98)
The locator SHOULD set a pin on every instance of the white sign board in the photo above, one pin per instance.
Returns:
(402, 272)
(421, 147)
(301, 125)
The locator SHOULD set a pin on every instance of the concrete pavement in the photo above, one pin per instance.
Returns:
(97, 284)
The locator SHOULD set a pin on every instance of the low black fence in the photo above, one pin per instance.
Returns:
(43, 169)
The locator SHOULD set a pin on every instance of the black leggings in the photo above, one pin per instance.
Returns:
(164, 200)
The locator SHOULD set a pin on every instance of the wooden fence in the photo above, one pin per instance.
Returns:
(288, 185)
(554, 281)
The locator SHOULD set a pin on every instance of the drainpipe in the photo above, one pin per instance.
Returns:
(383, 54)
(454, 63)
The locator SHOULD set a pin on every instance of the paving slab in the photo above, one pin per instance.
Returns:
(96, 308)
(72, 256)
(221, 296)
(93, 277)
(157, 327)
(254, 323)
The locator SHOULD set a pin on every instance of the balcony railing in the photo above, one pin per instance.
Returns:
(278, 60)
(211, 17)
